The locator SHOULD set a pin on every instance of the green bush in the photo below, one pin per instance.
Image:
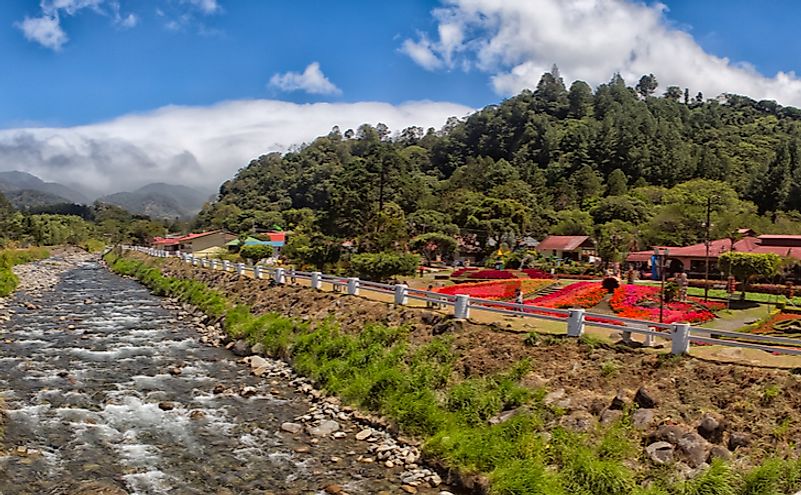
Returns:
(256, 252)
(383, 266)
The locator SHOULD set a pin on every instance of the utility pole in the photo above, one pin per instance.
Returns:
(661, 256)
(706, 242)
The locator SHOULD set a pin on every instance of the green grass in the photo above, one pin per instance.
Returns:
(419, 390)
(749, 296)
(11, 257)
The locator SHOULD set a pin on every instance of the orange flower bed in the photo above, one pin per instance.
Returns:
(767, 327)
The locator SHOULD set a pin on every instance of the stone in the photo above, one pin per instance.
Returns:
(710, 428)
(166, 406)
(739, 439)
(719, 452)
(644, 398)
(99, 488)
(325, 428)
(340, 434)
(409, 489)
(257, 349)
(504, 416)
(333, 489)
(642, 419)
(444, 492)
(197, 414)
(257, 362)
(610, 416)
(364, 434)
(694, 448)
(241, 348)
(669, 433)
(248, 391)
(619, 402)
(293, 428)
(578, 421)
(660, 452)
(554, 396)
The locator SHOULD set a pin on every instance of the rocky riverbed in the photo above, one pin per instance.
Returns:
(110, 390)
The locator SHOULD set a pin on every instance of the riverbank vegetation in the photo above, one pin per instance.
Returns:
(89, 227)
(489, 425)
(11, 257)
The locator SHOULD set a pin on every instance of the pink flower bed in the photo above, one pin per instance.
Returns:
(536, 273)
(578, 295)
(492, 274)
(628, 302)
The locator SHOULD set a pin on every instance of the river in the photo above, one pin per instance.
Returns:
(109, 390)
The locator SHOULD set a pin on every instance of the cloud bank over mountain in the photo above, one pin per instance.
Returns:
(194, 146)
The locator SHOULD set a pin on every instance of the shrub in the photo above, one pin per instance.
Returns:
(382, 266)
(256, 252)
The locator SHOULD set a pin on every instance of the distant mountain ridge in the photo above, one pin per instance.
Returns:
(16, 181)
(157, 200)
(160, 200)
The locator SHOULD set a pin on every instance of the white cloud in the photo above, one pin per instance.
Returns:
(196, 146)
(205, 6)
(47, 31)
(515, 41)
(312, 80)
(44, 30)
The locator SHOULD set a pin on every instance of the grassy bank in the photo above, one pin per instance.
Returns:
(417, 387)
(11, 257)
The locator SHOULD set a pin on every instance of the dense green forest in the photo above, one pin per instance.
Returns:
(89, 226)
(632, 168)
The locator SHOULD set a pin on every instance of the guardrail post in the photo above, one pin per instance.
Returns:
(353, 286)
(649, 338)
(401, 291)
(226, 265)
(461, 309)
(315, 280)
(240, 269)
(279, 276)
(257, 272)
(195, 261)
(680, 338)
(213, 264)
(575, 323)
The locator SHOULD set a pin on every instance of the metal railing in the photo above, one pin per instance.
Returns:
(680, 335)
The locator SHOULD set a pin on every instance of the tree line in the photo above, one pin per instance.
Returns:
(620, 163)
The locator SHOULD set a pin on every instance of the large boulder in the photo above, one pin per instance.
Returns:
(241, 348)
(644, 398)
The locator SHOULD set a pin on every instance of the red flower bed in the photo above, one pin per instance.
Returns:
(492, 274)
(462, 271)
(629, 301)
(578, 295)
(495, 290)
(536, 273)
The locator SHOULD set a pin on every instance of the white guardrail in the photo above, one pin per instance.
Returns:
(680, 335)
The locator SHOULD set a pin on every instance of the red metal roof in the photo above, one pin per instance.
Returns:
(277, 236)
(562, 242)
(720, 246)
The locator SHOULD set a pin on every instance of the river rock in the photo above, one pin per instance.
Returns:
(364, 434)
(258, 349)
(719, 452)
(241, 348)
(325, 428)
(660, 452)
(99, 488)
(257, 362)
(669, 433)
(610, 416)
(166, 406)
(578, 421)
(293, 428)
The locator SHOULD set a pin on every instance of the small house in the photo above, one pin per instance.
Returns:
(567, 247)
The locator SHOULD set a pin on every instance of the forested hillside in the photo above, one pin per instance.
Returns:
(622, 163)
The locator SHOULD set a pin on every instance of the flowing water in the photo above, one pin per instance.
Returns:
(102, 384)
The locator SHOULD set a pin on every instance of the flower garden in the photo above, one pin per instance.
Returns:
(578, 295)
(780, 323)
(475, 273)
(496, 290)
(642, 303)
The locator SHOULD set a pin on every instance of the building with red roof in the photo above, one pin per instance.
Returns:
(192, 243)
(574, 247)
(692, 259)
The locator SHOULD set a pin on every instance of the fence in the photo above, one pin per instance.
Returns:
(680, 335)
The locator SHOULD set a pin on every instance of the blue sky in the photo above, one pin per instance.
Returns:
(111, 92)
(105, 70)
